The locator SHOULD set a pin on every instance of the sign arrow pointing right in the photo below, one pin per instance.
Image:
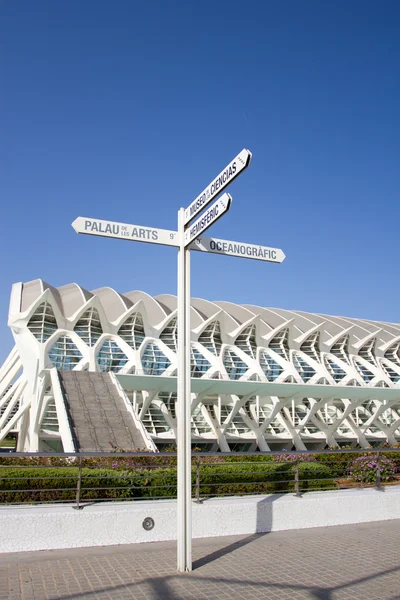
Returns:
(239, 249)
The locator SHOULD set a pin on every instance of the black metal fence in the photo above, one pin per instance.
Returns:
(87, 478)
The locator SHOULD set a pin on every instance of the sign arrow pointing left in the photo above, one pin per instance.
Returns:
(125, 231)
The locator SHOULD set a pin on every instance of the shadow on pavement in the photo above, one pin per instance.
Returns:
(163, 588)
(227, 550)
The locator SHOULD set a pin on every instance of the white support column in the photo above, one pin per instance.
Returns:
(184, 513)
(188, 416)
(62, 416)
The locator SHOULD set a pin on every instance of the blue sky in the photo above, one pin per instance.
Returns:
(126, 110)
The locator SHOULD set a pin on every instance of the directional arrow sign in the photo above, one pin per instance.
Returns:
(239, 249)
(125, 231)
(238, 164)
(210, 216)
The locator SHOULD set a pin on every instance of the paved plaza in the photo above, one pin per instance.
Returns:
(334, 563)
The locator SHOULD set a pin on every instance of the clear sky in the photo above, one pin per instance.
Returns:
(126, 110)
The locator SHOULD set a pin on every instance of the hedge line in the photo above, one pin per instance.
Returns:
(36, 484)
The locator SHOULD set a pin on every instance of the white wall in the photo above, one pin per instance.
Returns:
(49, 527)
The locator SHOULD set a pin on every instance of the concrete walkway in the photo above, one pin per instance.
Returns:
(346, 562)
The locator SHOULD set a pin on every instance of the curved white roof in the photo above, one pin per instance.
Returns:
(71, 297)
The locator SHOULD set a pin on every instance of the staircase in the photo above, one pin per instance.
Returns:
(99, 418)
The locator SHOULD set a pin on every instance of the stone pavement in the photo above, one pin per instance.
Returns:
(334, 563)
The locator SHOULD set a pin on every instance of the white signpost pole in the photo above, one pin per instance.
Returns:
(184, 473)
(188, 414)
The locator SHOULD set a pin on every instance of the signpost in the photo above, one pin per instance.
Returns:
(239, 249)
(214, 189)
(187, 238)
(210, 216)
(124, 231)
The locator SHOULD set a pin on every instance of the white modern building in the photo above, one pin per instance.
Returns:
(97, 370)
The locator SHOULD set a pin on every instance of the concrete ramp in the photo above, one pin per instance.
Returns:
(99, 418)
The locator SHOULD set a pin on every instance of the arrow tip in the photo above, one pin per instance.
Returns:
(75, 224)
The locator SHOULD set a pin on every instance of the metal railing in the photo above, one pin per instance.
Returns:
(87, 478)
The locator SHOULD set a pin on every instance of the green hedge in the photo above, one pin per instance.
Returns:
(236, 479)
(38, 484)
(337, 463)
(30, 484)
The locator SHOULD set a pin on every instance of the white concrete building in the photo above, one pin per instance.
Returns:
(262, 378)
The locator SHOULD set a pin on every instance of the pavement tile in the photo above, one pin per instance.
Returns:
(355, 562)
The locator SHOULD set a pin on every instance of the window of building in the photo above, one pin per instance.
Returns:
(303, 368)
(329, 413)
(337, 372)
(132, 331)
(234, 365)
(276, 427)
(280, 344)
(391, 373)
(89, 326)
(270, 367)
(340, 349)
(211, 338)
(64, 355)
(199, 424)
(393, 355)
(297, 412)
(110, 357)
(365, 373)
(169, 399)
(154, 420)
(264, 411)
(202, 447)
(43, 323)
(50, 419)
(198, 364)
(212, 408)
(237, 426)
(154, 361)
(366, 352)
(239, 446)
(169, 335)
(246, 341)
(311, 346)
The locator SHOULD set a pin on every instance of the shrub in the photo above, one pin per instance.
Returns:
(230, 458)
(313, 476)
(394, 456)
(364, 468)
(36, 484)
(338, 463)
(300, 457)
(236, 479)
